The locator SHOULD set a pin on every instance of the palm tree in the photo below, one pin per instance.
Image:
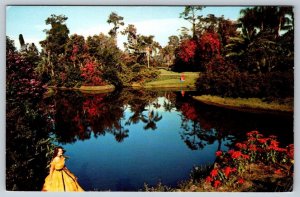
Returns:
(257, 47)
(236, 49)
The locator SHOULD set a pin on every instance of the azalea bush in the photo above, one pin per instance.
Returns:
(92, 74)
(231, 166)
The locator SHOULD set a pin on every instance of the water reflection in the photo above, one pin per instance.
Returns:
(77, 116)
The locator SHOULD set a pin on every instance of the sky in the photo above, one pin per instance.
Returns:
(160, 21)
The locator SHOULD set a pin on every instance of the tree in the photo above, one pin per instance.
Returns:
(209, 46)
(107, 55)
(190, 14)
(76, 55)
(117, 21)
(131, 33)
(22, 42)
(10, 45)
(187, 51)
(54, 46)
(140, 46)
(57, 36)
(257, 48)
(226, 30)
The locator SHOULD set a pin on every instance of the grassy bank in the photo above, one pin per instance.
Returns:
(85, 89)
(169, 79)
(248, 104)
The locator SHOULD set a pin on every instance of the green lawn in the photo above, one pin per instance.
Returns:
(172, 79)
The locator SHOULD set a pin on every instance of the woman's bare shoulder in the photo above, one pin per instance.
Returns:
(55, 159)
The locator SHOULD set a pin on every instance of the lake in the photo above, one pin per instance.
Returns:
(121, 140)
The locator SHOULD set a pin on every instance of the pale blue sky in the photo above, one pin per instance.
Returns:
(160, 21)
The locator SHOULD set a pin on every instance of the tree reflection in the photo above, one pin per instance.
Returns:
(203, 124)
(194, 134)
(151, 120)
(78, 116)
(120, 133)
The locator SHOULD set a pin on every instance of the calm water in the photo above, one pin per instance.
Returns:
(119, 141)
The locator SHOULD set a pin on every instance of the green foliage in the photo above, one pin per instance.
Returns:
(136, 74)
(190, 14)
(54, 49)
(10, 45)
(57, 36)
(242, 84)
(104, 50)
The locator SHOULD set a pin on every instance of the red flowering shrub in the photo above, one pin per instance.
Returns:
(256, 149)
(210, 45)
(187, 50)
(92, 74)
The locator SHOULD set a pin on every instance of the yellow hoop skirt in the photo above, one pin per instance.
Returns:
(62, 179)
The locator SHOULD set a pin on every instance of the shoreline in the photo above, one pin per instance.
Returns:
(245, 105)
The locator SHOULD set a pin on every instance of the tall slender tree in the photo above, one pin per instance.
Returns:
(117, 22)
(54, 46)
(190, 14)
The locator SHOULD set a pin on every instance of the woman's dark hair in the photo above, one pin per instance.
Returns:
(56, 151)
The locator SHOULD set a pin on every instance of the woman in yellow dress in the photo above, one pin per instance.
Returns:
(60, 179)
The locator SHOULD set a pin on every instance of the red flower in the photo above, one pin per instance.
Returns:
(214, 172)
(217, 183)
(245, 156)
(272, 136)
(274, 143)
(241, 146)
(252, 133)
(278, 171)
(252, 147)
(219, 153)
(230, 152)
(227, 171)
(262, 140)
(236, 154)
(240, 181)
(208, 179)
(251, 139)
(290, 151)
